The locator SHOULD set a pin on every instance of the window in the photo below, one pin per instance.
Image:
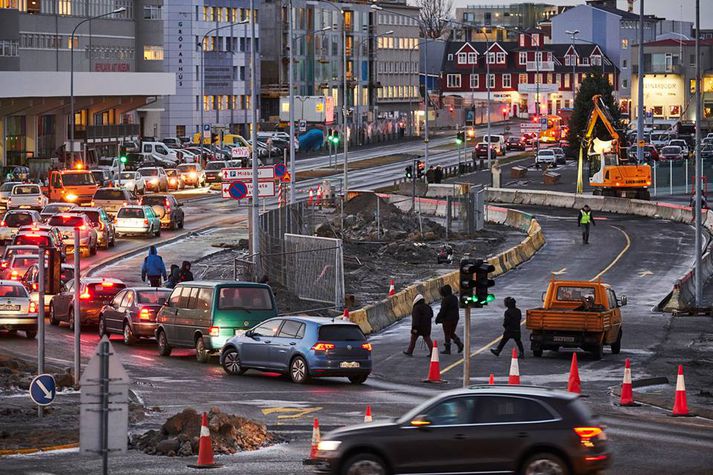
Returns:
(461, 58)
(249, 298)
(538, 56)
(535, 39)
(625, 83)
(8, 48)
(500, 58)
(566, 81)
(292, 329)
(491, 81)
(491, 58)
(624, 64)
(585, 60)
(624, 43)
(574, 294)
(204, 299)
(507, 81)
(522, 79)
(153, 53)
(152, 12)
(336, 332)
(472, 58)
(456, 411)
(474, 81)
(499, 409)
(453, 80)
(450, 57)
(268, 328)
(558, 79)
(596, 60)
(523, 57)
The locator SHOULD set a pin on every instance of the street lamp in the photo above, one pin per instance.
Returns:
(71, 71)
(574, 34)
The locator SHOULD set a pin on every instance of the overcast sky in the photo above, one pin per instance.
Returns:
(669, 9)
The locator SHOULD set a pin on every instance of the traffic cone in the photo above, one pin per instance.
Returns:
(319, 196)
(392, 289)
(310, 200)
(367, 416)
(627, 395)
(680, 405)
(315, 443)
(574, 385)
(434, 369)
(205, 447)
(514, 377)
(492, 379)
(345, 315)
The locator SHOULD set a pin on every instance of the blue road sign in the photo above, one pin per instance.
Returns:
(43, 389)
(206, 127)
(238, 190)
(280, 170)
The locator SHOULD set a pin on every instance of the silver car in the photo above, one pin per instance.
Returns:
(5, 191)
(68, 222)
(13, 219)
(17, 311)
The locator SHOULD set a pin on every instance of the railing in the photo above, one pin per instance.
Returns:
(545, 66)
(94, 132)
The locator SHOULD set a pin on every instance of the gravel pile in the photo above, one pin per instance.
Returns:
(17, 374)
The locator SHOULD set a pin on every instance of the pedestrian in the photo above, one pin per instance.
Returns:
(431, 174)
(153, 268)
(173, 277)
(439, 174)
(584, 220)
(448, 316)
(511, 324)
(185, 275)
(421, 316)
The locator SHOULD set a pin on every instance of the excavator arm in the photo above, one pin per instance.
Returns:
(601, 112)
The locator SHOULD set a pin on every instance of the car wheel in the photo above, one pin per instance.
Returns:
(231, 362)
(53, 318)
(112, 243)
(93, 250)
(202, 353)
(545, 463)
(616, 346)
(364, 464)
(537, 351)
(158, 232)
(299, 373)
(180, 225)
(129, 338)
(164, 349)
(358, 379)
(30, 334)
(102, 327)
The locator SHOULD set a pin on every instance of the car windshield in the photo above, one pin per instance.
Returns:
(109, 194)
(341, 333)
(92, 215)
(78, 179)
(104, 290)
(66, 221)
(8, 186)
(15, 251)
(215, 165)
(547, 152)
(244, 298)
(56, 208)
(23, 262)
(15, 220)
(26, 190)
(12, 291)
(98, 175)
(574, 294)
(674, 149)
(152, 297)
(67, 274)
(153, 200)
(186, 168)
(128, 176)
(148, 171)
(130, 213)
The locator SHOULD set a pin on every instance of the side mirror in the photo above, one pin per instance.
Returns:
(249, 333)
(421, 421)
(543, 296)
(624, 301)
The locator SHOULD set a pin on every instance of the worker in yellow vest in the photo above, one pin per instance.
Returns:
(585, 219)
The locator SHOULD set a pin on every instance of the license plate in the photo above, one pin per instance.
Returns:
(349, 364)
(9, 307)
(563, 339)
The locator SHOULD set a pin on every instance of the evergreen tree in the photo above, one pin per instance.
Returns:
(594, 83)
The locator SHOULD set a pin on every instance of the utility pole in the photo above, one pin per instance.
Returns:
(699, 163)
(290, 72)
(640, 80)
(41, 318)
(77, 314)
(255, 210)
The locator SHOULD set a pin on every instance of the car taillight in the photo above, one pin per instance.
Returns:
(14, 275)
(107, 284)
(2, 224)
(4, 264)
(34, 286)
(83, 227)
(319, 346)
(366, 346)
(586, 434)
(146, 222)
(144, 314)
(214, 331)
(85, 296)
(33, 307)
(91, 203)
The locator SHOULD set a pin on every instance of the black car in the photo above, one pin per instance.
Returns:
(167, 208)
(707, 152)
(213, 171)
(481, 151)
(481, 429)
(514, 143)
(132, 313)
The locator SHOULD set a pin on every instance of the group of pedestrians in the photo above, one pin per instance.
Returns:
(154, 270)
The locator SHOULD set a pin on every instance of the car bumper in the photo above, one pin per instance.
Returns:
(132, 230)
(339, 367)
(144, 330)
(190, 181)
(6, 234)
(90, 315)
(83, 242)
(565, 339)
(153, 186)
(18, 322)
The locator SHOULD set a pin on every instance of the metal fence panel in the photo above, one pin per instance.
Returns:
(314, 268)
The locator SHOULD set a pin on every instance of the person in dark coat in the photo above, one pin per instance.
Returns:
(185, 274)
(173, 277)
(153, 268)
(421, 316)
(511, 324)
(448, 316)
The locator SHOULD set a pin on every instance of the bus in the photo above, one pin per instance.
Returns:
(554, 131)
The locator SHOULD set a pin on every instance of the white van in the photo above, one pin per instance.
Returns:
(160, 150)
(498, 142)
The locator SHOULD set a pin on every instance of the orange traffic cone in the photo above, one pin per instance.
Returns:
(310, 200)
(514, 377)
(492, 379)
(680, 405)
(627, 394)
(434, 369)
(315, 439)
(205, 448)
(367, 416)
(574, 385)
(392, 289)
(345, 315)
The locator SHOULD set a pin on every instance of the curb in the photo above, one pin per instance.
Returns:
(666, 403)
(34, 450)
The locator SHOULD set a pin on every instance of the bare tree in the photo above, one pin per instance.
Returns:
(434, 16)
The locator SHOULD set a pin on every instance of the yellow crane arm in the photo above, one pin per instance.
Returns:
(600, 112)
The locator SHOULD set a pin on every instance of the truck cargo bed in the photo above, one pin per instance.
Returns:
(568, 320)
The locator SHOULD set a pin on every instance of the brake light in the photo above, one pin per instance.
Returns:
(323, 346)
(4, 264)
(14, 275)
(2, 224)
(85, 296)
(34, 286)
(214, 331)
(33, 307)
(107, 284)
(588, 432)
(146, 222)
(91, 203)
(366, 346)
(595, 458)
(144, 314)
(83, 227)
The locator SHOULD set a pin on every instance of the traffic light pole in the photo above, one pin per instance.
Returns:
(41, 318)
(414, 174)
(466, 355)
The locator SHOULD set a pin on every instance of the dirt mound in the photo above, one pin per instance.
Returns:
(16, 373)
(180, 434)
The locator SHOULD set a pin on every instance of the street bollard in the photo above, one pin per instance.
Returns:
(41, 318)
(77, 318)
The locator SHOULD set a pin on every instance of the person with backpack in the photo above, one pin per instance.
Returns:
(153, 268)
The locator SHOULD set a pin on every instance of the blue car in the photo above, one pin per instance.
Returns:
(301, 347)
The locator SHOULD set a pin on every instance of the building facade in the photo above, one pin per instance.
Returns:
(513, 16)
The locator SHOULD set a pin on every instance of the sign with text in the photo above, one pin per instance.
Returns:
(246, 174)
(266, 189)
(240, 152)
(530, 128)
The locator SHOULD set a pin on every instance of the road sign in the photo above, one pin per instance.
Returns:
(303, 126)
(237, 190)
(240, 152)
(246, 174)
(543, 123)
(529, 128)
(266, 189)
(206, 131)
(280, 170)
(43, 389)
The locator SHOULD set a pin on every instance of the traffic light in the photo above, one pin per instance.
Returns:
(483, 282)
(334, 138)
(409, 172)
(420, 169)
(122, 154)
(460, 138)
(467, 281)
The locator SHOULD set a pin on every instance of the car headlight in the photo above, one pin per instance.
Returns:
(193, 175)
(328, 445)
(70, 197)
(154, 181)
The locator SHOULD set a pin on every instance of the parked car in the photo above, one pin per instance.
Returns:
(137, 220)
(104, 177)
(67, 223)
(174, 180)
(546, 156)
(5, 190)
(106, 235)
(112, 199)
(17, 311)
(132, 313)
(515, 143)
(167, 208)
(683, 144)
(192, 174)
(671, 153)
(707, 152)
(94, 292)
(13, 219)
(205, 314)
(155, 178)
(213, 173)
(660, 139)
(133, 182)
(560, 156)
(27, 196)
(301, 347)
(55, 208)
(480, 429)
(31, 282)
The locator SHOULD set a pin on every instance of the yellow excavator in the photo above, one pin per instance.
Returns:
(609, 173)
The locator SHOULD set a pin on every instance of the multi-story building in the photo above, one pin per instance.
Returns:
(36, 58)
(522, 75)
(522, 16)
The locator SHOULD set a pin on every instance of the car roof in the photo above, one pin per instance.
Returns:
(65, 214)
(318, 320)
(134, 206)
(148, 289)
(80, 210)
(11, 282)
(98, 280)
(222, 283)
(512, 390)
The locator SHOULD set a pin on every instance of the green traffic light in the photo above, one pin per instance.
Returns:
(459, 141)
(489, 298)
(122, 159)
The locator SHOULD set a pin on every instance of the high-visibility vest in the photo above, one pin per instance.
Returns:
(586, 217)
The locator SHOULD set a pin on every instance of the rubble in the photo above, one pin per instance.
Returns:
(17, 374)
(179, 435)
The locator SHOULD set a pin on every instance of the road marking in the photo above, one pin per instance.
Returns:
(146, 358)
(606, 269)
(561, 271)
(294, 412)
(645, 273)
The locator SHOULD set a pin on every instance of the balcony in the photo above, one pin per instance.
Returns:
(545, 66)
(106, 133)
(658, 69)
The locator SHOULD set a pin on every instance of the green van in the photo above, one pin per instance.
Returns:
(205, 314)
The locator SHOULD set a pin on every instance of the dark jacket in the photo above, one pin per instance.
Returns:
(591, 216)
(185, 274)
(421, 316)
(173, 278)
(449, 311)
(513, 316)
(153, 265)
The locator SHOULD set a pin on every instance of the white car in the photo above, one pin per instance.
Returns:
(560, 156)
(681, 143)
(68, 222)
(54, 208)
(136, 220)
(113, 165)
(13, 219)
(659, 139)
(5, 190)
(546, 156)
(27, 196)
(17, 311)
(133, 182)
(498, 142)
(189, 157)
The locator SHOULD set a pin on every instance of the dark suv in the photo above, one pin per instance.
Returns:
(481, 429)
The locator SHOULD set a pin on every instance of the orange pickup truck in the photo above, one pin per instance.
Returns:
(577, 314)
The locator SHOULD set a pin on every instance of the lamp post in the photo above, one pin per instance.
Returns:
(697, 281)
(202, 75)
(255, 211)
(71, 71)
(574, 34)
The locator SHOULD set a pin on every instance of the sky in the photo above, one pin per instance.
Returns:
(669, 9)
